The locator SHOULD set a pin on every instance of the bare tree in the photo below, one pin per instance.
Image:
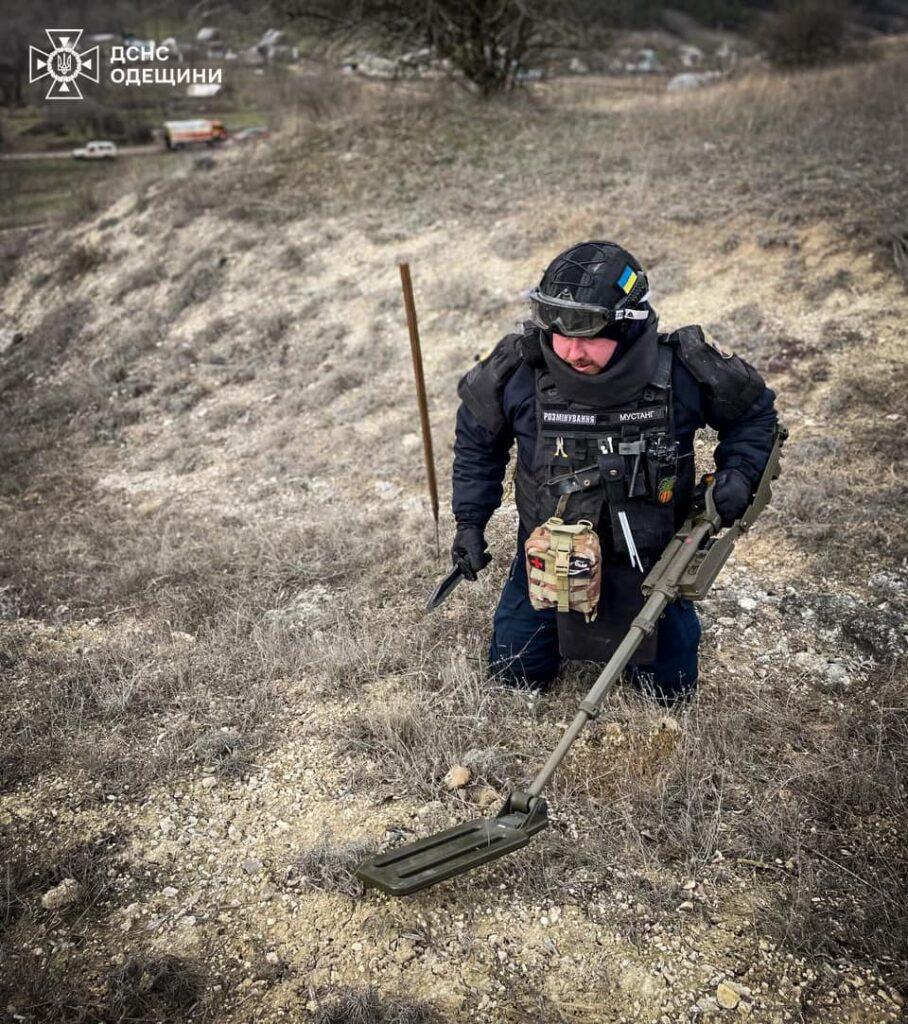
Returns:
(487, 41)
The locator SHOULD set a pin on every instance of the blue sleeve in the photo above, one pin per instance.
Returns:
(480, 459)
(745, 443)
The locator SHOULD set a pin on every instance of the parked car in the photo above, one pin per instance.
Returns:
(96, 150)
(179, 134)
(252, 134)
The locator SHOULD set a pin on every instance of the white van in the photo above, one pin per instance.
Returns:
(96, 151)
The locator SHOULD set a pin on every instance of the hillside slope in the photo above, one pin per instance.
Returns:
(219, 684)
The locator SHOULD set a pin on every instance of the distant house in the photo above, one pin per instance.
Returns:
(276, 46)
(172, 47)
(203, 90)
(211, 41)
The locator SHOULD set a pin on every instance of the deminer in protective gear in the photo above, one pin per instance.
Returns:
(603, 407)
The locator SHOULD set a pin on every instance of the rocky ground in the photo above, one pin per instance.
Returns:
(220, 689)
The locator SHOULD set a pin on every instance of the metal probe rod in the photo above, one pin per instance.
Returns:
(421, 399)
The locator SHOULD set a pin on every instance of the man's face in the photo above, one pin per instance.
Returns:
(586, 355)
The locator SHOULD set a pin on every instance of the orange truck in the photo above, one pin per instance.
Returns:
(180, 134)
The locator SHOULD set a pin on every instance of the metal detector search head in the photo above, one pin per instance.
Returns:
(456, 850)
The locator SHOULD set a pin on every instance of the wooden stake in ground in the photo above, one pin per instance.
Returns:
(421, 399)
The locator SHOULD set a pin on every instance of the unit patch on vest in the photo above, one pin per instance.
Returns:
(556, 417)
(557, 420)
(638, 415)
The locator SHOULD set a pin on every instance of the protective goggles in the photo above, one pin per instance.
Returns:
(577, 319)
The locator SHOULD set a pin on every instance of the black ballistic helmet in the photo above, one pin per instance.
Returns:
(591, 289)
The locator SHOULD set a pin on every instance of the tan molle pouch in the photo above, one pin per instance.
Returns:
(564, 567)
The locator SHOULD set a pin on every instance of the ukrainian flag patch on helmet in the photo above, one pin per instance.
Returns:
(627, 280)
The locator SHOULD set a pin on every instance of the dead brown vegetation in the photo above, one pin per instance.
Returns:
(198, 566)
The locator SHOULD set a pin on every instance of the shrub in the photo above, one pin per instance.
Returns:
(81, 259)
(804, 35)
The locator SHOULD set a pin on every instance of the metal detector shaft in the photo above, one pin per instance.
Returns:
(682, 549)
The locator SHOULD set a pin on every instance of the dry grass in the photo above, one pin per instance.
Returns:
(445, 715)
(155, 632)
(80, 259)
(367, 1006)
(331, 867)
(164, 989)
(204, 659)
(726, 151)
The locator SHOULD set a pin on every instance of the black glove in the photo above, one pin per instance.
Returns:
(731, 494)
(469, 552)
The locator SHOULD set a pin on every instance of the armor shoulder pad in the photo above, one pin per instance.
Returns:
(662, 377)
(481, 389)
(731, 384)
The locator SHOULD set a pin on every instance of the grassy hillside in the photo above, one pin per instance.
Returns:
(219, 685)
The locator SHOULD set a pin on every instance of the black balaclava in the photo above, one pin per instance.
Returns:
(625, 375)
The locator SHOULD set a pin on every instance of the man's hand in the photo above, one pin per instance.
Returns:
(469, 551)
(731, 494)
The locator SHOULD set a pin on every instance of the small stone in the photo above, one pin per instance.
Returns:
(386, 489)
(8, 338)
(252, 866)
(272, 958)
(209, 782)
(744, 1009)
(809, 661)
(405, 952)
(457, 777)
(487, 797)
(686, 906)
(555, 915)
(639, 983)
(726, 996)
(748, 604)
(68, 892)
(837, 675)
(689, 885)
(169, 892)
(161, 853)
(725, 620)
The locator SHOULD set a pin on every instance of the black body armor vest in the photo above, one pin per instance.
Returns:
(617, 466)
(597, 462)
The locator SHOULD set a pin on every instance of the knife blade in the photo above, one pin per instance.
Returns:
(444, 588)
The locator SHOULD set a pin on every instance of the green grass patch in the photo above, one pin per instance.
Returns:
(35, 191)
